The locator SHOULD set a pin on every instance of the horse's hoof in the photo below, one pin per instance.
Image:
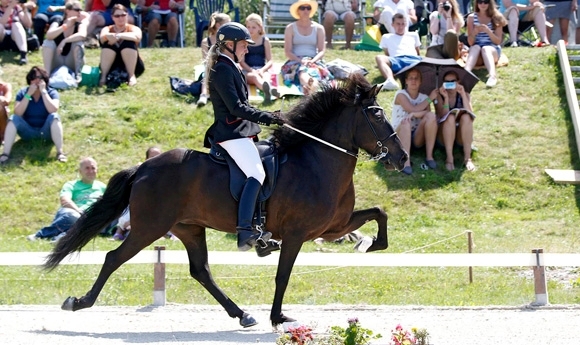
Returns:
(363, 244)
(247, 320)
(68, 304)
(281, 320)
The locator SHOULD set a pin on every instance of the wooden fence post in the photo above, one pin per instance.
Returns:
(159, 278)
(540, 286)
(470, 250)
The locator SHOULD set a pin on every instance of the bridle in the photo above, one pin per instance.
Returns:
(381, 147)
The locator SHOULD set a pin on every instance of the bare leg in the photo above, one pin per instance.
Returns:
(3, 122)
(465, 138)
(152, 30)
(56, 135)
(96, 20)
(47, 56)
(349, 28)
(9, 137)
(130, 57)
(490, 58)
(172, 28)
(472, 57)
(513, 21)
(384, 66)
(540, 22)
(107, 59)
(404, 132)
(564, 22)
(448, 136)
(328, 23)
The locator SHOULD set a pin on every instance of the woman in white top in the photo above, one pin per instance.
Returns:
(413, 119)
(304, 47)
(445, 25)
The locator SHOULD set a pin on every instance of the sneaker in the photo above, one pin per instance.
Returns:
(23, 61)
(32, 237)
(390, 85)
(266, 91)
(274, 92)
(491, 82)
(514, 44)
(58, 237)
(202, 100)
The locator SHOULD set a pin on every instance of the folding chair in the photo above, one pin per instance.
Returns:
(359, 22)
(276, 16)
(527, 35)
(162, 33)
(203, 10)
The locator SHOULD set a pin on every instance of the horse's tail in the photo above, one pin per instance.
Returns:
(108, 208)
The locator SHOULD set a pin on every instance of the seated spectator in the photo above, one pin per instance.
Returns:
(258, 60)
(413, 119)
(444, 24)
(304, 47)
(124, 223)
(515, 11)
(100, 18)
(75, 197)
(119, 47)
(64, 44)
(35, 115)
(95, 8)
(216, 20)
(5, 100)
(13, 20)
(455, 117)
(384, 10)
(46, 15)
(558, 9)
(335, 10)
(484, 35)
(158, 13)
(401, 50)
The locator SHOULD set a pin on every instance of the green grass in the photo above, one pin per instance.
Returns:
(522, 127)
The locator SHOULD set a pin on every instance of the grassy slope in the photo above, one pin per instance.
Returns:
(510, 204)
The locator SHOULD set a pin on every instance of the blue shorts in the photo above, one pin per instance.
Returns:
(163, 19)
(402, 61)
(109, 19)
(27, 132)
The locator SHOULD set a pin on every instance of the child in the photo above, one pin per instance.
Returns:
(258, 60)
(216, 20)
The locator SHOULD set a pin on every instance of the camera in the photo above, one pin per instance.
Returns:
(446, 5)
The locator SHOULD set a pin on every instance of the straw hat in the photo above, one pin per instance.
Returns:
(294, 7)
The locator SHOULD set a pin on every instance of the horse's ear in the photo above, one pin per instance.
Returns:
(376, 89)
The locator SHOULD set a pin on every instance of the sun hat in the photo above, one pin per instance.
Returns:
(294, 7)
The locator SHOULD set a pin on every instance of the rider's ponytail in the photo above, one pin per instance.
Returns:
(212, 56)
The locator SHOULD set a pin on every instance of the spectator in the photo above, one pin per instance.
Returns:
(75, 197)
(484, 35)
(35, 115)
(95, 8)
(46, 15)
(124, 223)
(335, 10)
(384, 10)
(445, 24)
(560, 9)
(515, 11)
(258, 60)
(401, 50)
(119, 47)
(304, 47)
(216, 20)
(158, 13)
(64, 44)
(455, 117)
(13, 20)
(5, 100)
(99, 19)
(413, 119)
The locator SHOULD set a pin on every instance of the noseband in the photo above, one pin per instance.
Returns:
(382, 149)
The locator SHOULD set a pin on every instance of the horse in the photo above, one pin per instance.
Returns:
(183, 191)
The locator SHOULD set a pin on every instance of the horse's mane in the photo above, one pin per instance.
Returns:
(311, 113)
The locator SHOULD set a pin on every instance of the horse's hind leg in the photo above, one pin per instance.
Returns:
(193, 237)
(113, 260)
(359, 218)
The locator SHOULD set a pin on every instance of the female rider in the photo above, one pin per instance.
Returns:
(236, 122)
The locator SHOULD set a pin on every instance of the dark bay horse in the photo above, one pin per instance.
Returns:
(186, 192)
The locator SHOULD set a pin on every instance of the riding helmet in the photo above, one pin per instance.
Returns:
(235, 32)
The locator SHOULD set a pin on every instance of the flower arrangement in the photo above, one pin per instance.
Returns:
(400, 336)
(301, 335)
(354, 334)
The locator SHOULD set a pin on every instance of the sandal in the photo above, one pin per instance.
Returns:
(4, 158)
(469, 165)
(61, 157)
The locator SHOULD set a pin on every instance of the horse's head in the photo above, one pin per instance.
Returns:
(374, 132)
(348, 117)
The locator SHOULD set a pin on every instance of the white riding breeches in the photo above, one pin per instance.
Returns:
(245, 154)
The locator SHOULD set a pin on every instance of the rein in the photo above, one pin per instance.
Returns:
(383, 150)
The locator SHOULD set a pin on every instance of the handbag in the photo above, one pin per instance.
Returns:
(90, 76)
(62, 79)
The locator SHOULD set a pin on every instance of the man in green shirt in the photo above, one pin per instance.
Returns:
(75, 197)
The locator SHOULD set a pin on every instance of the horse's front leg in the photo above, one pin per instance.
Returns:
(193, 237)
(359, 218)
(288, 254)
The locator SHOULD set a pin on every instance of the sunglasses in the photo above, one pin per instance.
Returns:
(76, 9)
(305, 8)
(120, 15)
(483, 2)
(37, 77)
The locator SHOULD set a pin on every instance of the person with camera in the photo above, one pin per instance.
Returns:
(343, 10)
(455, 118)
(236, 123)
(13, 20)
(515, 11)
(445, 24)
(484, 35)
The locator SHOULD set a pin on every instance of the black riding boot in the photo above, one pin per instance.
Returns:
(247, 238)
